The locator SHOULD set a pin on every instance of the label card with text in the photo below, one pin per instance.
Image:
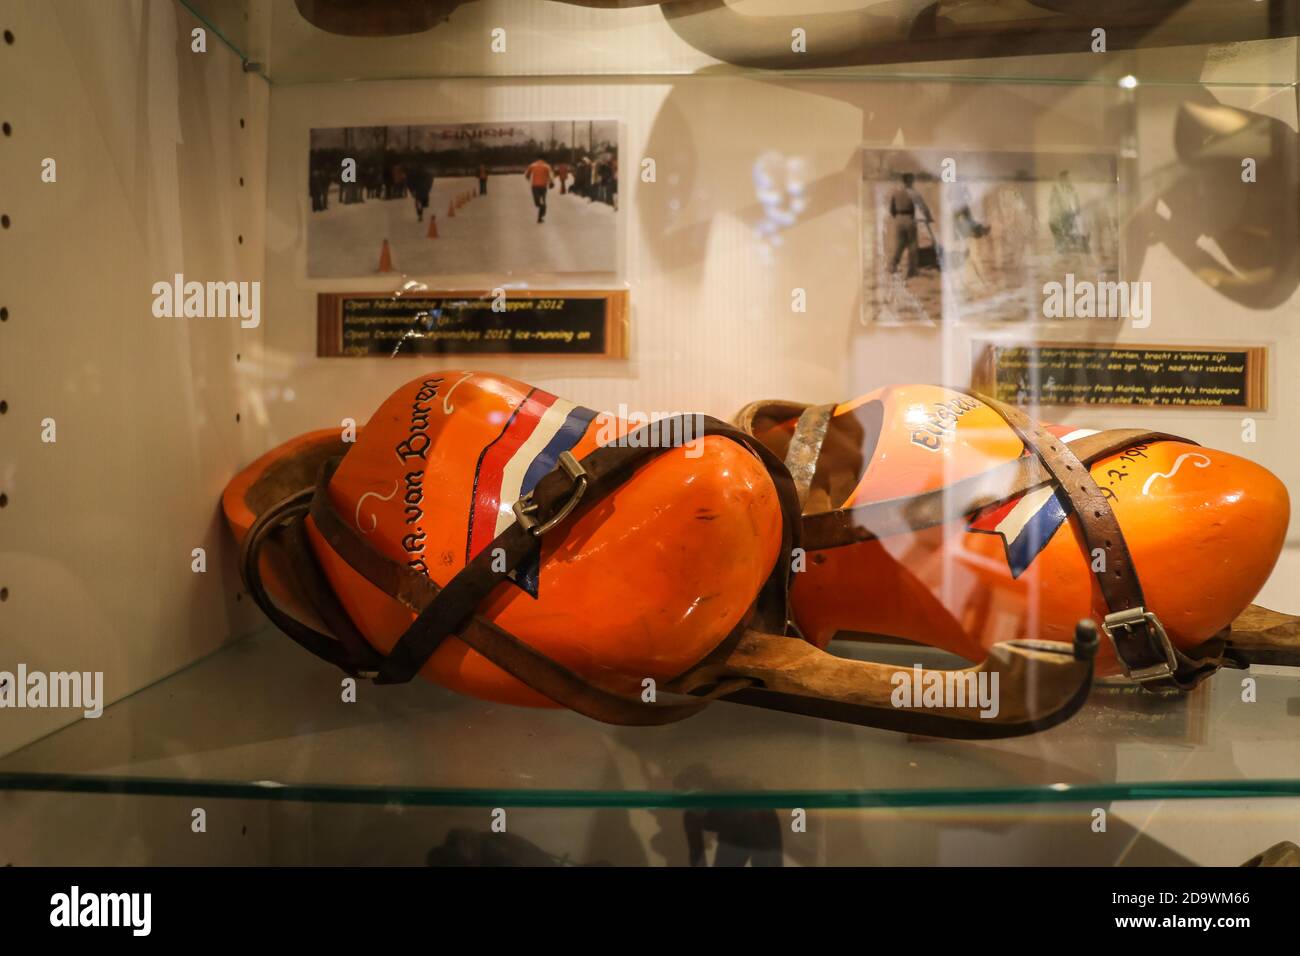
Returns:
(1158, 376)
(514, 322)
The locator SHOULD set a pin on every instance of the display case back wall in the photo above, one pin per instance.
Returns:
(121, 428)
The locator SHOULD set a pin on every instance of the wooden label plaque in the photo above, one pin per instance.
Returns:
(1157, 376)
(518, 322)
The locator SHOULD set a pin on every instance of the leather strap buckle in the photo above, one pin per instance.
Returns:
(525, 508)
(1129, 621)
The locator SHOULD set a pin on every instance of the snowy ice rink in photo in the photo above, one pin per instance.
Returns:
(465, 198)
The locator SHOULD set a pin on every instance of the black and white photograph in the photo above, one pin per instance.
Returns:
(447, 199)
(951, 235)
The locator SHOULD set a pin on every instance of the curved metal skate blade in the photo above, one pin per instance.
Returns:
(1021, 688)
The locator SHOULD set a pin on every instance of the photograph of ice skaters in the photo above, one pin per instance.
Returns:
(537, 196)
(953, 235)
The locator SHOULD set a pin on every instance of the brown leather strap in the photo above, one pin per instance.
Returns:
(620, 705)
(612, 700)
(880, 519)
(347, 651)
(1097, 522)
(1143, 647)
(365, 659)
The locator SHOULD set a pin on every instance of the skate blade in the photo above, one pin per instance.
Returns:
(1262, 636)
(1022, 687)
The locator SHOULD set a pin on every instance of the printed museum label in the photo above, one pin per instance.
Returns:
(1153, 376)
(519, 322)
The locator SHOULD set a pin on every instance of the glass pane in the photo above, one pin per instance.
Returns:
(256, 720)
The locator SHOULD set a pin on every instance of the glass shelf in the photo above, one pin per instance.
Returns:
(263, 720)
(562, 40)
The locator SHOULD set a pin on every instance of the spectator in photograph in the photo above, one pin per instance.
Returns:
(372, 178)
(419, 180)
(584, 183)
(541, 177)
(964, 223)
(1063, 215)
(604, 181)
(970, 234)
(319, 186)
(482, 179)
(613, 181)
(394, 181)
(903, 205)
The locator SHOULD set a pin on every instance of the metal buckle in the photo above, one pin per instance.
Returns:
(525, 506)
(1133, 618)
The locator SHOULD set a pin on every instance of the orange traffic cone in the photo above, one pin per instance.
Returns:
(451, 210)
(433, 227)
(385, 258)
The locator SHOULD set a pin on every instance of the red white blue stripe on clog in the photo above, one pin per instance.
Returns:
(541, 427)
(1027, 523)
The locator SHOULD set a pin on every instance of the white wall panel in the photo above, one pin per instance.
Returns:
(96, 539)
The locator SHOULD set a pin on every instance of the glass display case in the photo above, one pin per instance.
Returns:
(733, 432)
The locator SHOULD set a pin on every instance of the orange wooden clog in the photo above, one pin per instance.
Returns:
(942, 517)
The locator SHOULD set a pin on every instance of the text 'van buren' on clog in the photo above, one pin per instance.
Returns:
(516, 547)
(947, 518)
